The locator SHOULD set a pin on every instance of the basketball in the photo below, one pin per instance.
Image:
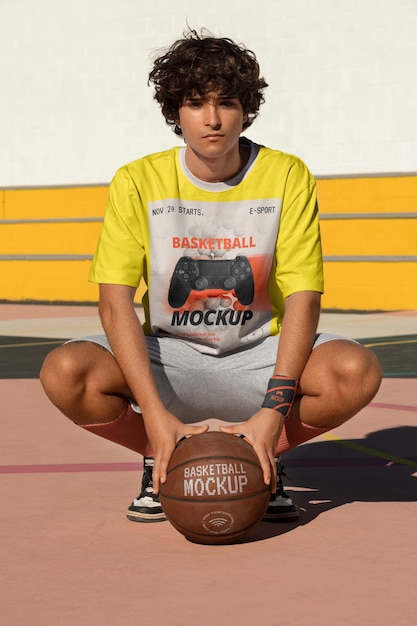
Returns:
(214, 492)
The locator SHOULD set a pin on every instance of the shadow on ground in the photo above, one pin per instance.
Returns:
(330, 474)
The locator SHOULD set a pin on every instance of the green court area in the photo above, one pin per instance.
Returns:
(397, 355)
(21, 357)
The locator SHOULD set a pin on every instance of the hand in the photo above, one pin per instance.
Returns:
(164, 431)
(262, 430)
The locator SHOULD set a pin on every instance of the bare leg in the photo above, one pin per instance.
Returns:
(340, 378)
(84, 382)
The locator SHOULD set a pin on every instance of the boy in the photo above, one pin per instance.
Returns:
(225, 234)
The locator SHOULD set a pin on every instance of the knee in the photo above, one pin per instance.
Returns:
(59, 370)
(359, 373)
(340, 379)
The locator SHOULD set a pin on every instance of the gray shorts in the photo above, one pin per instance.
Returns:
(196, 386)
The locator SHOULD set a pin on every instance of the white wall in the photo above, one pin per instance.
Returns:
(75, 104)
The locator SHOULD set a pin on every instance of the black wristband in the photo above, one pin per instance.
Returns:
(280, 394)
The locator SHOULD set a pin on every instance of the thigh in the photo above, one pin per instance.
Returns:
(196, 386)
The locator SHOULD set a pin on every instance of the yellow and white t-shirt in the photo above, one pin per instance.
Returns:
(218, 259)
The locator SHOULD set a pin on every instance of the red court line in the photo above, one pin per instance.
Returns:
(65, 468)
(396, 407)
(54, 468)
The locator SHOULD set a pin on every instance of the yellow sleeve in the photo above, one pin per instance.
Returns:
(299, 263)
(120, 253)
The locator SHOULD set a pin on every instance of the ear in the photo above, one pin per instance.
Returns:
(177, 126)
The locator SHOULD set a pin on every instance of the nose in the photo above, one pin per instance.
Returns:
(212, 116)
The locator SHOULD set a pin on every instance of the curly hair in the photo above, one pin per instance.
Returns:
(199, 64)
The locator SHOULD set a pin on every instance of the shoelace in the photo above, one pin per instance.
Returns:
(280, 473)
(147, 484)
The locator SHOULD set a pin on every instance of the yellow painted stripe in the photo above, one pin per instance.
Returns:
(369, 237)
(370, 451)
(378, 194)
(53, 202)
(368, 286)
(389, 343)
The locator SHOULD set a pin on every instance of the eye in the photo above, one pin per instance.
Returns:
(230, 103)
(194, 104)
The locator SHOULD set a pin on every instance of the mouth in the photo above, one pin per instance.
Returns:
(213, 136)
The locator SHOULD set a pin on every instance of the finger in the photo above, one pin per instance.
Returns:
(196, 430)
(239, 430)
(265, 465)
(155, 476)
(191, 431)
(266, 468)
(273, 473)
(159, 474)
(232, 429)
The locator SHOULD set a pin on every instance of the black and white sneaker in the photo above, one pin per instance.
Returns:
(146, 507)
(281, 507)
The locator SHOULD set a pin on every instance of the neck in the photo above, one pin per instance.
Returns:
(217, 169)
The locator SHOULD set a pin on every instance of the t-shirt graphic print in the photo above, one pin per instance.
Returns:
(217, 258)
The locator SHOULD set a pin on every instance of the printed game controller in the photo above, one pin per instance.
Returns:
(200, 274)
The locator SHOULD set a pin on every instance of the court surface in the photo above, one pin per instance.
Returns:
(69, 557)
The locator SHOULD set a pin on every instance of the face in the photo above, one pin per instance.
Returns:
(211, 125)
